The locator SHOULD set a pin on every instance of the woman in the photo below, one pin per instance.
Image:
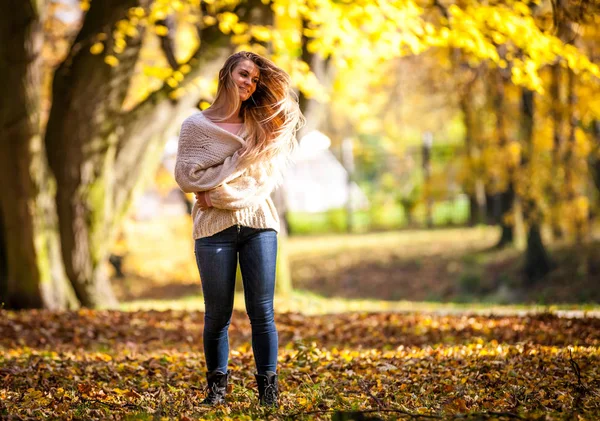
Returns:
(232, 156)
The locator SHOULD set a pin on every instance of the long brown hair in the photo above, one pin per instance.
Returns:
(271, 115)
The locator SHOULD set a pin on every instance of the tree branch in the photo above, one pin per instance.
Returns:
(167, 42)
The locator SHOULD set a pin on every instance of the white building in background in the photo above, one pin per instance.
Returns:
(315, 182)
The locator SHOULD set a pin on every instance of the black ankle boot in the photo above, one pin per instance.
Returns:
(268, 389)
(216, 388)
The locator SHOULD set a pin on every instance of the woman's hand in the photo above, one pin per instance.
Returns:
(202, 199)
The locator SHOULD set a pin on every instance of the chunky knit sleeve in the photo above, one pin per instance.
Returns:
(191, 177)
(251, 188)
(202, 162)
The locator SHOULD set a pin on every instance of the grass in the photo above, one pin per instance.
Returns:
(309, 303)
(388, 217)
(445, 269)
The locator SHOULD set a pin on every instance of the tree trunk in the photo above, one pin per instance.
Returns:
(507, 196)
(537, 261)
(102, 154)
(284, 286)
(474, 208)
(595, 158)
(31, 272)
(474, 188)
(557, 150)
(87, 96)
(559, 112)
(310, 110)
(316, 112)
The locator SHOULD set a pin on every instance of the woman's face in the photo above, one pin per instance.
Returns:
(245, 76)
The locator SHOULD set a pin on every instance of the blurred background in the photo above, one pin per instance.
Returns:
(451, 155)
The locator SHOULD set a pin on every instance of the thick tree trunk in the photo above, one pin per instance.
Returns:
(31, 272)
(101, 153)
(537, 261)
(81, 141)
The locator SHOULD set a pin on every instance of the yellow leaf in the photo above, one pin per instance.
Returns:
(161, 30)
(137, 11)
(132, 31)
(261, 33)
(239, 28)
(209, 20)
(97, 48)
(172, 82)
(120, 44)
(112, 61)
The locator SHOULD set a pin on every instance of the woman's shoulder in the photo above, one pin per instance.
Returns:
(194, 119)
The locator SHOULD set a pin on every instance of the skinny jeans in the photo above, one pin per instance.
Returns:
(217, 258)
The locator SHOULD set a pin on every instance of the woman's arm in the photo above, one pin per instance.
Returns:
(192, 178)
(249, 189)
(199, 164)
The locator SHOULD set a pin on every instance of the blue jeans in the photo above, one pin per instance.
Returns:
(217, 258)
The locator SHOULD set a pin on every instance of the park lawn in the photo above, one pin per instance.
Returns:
(395, 270)
(454, 265)
(107, 364)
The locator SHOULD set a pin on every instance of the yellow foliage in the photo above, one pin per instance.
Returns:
(581, 208)
(583, 144)
(514, 153)
(178, 76)
(137, 12)
(261, 33)
(111, 60)
(97, 48)
(161, 30)
(209, 20)
(226, 21)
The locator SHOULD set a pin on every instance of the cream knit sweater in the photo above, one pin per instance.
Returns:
(207, 158)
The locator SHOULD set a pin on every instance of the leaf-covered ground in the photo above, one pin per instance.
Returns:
(149, 365)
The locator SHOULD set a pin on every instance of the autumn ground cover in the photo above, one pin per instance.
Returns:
(149, 365)
(347, 343)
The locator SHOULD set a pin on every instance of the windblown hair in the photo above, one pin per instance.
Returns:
(271, 115)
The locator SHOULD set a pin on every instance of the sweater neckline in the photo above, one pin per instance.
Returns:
(238, 137)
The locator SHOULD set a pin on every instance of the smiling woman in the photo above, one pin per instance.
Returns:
(245, 75)
(232, 155)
